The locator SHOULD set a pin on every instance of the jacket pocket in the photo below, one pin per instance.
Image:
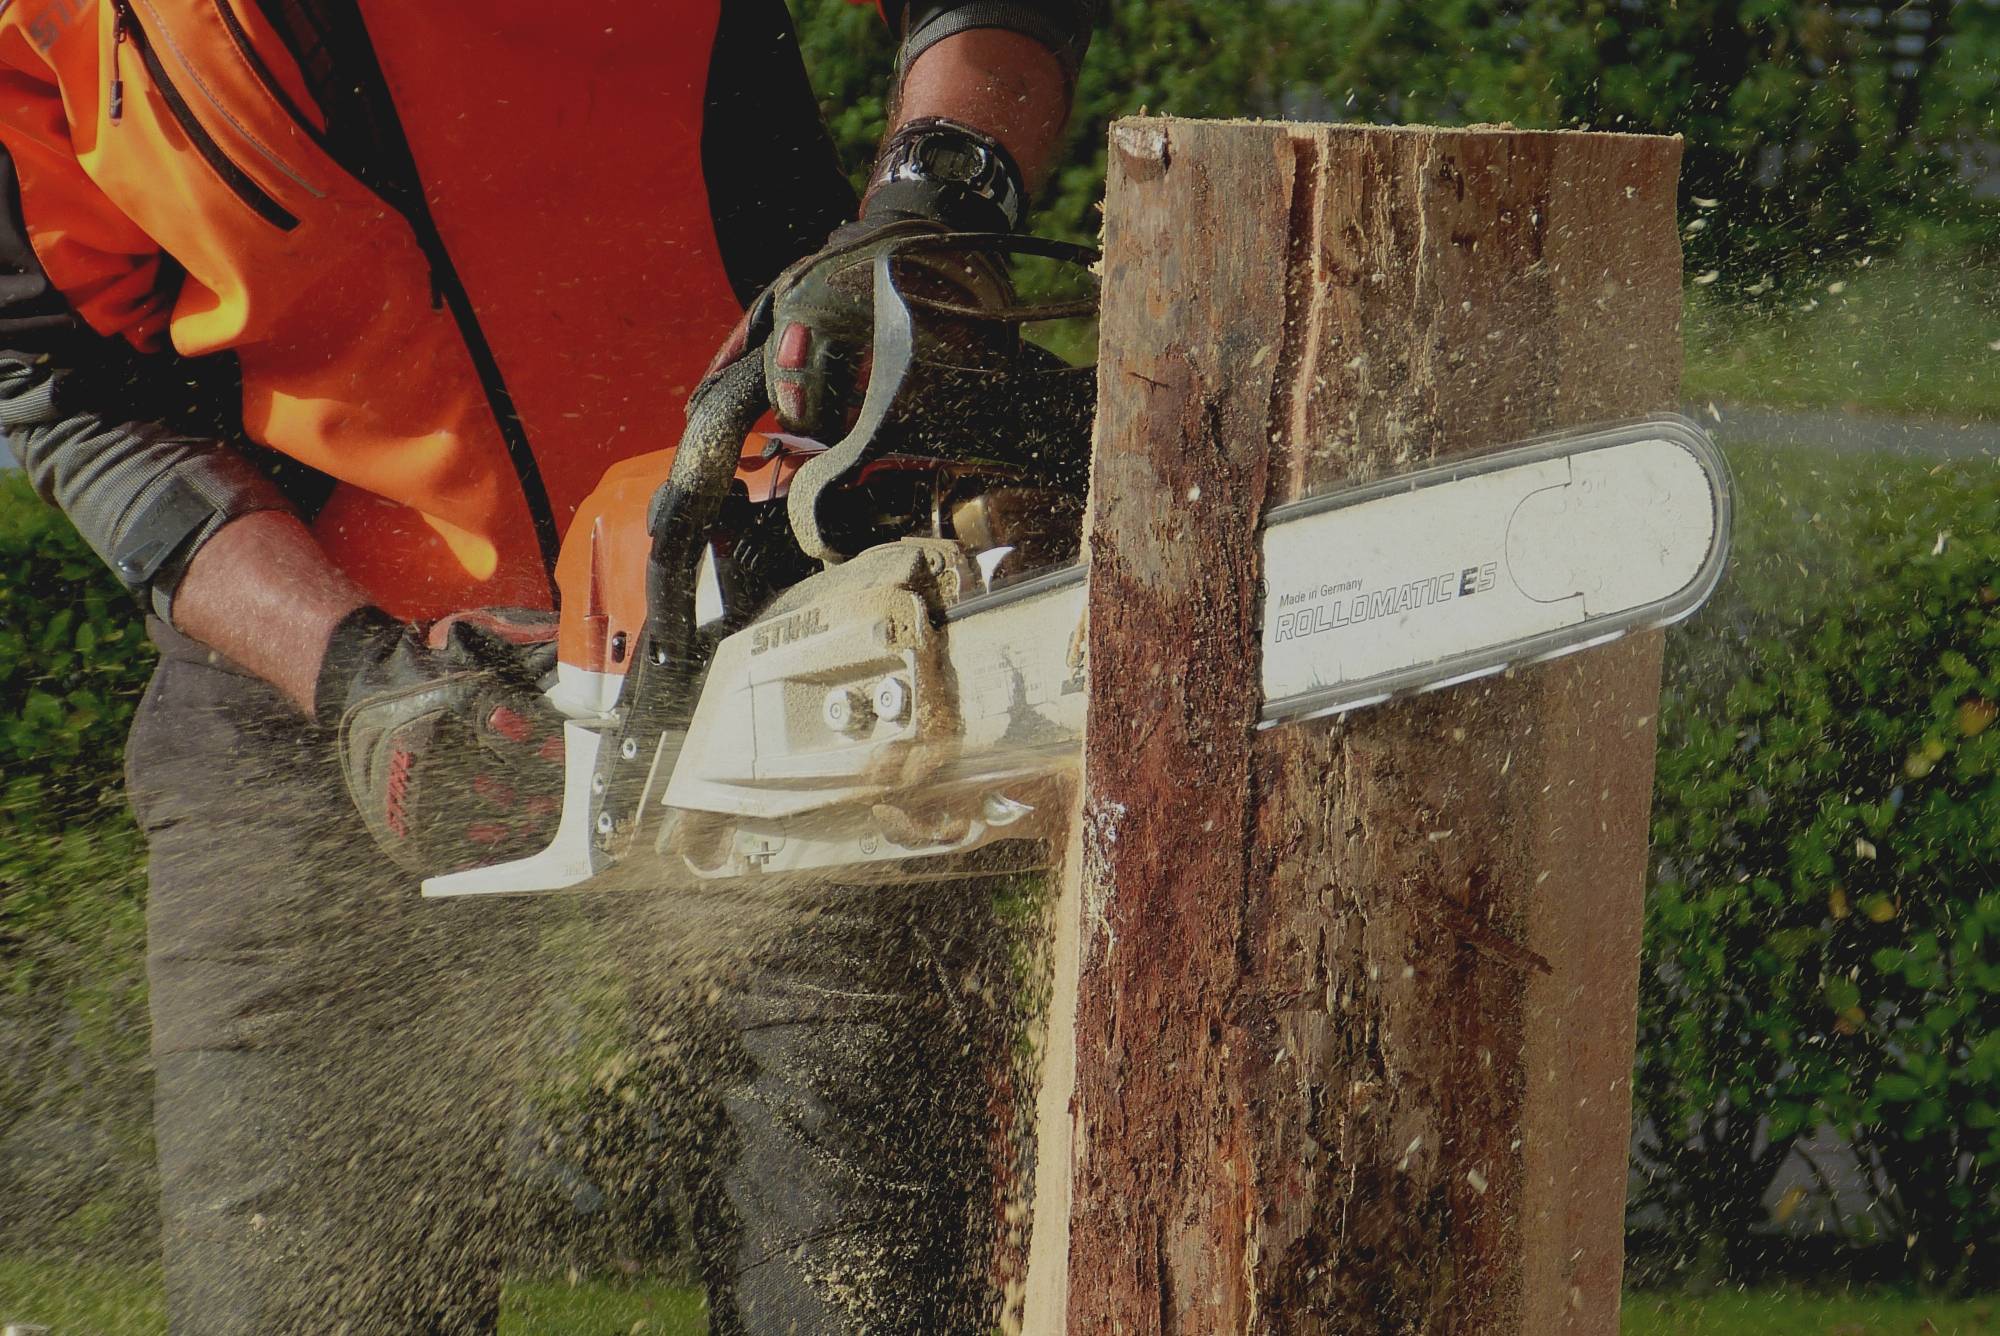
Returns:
(127, 30)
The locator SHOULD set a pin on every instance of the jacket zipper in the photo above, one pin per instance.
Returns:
(448, 291)
(126, 27)
(120, 15)
(262, 70)
(394, 178)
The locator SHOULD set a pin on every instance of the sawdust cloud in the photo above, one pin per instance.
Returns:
(571, 1057)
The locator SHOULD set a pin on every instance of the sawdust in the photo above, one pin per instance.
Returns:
(562, 1109)
(918, 1073)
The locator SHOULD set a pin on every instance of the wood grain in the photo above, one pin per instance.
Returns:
(1355, 1000)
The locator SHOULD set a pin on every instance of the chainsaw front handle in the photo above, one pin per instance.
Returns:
(894, 351)
(659, 693)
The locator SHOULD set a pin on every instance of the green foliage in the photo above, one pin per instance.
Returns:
(1796, 126)
(849, 56)
(1823, 939)
(73, 659)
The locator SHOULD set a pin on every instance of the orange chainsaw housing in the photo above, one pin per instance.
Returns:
(601, 574)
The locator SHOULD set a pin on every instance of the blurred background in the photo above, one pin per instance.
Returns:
(1817, 1093)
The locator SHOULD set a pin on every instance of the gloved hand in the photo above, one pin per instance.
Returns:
(934, 177)
(450, 751)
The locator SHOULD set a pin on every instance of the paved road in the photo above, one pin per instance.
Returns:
(1851, 433)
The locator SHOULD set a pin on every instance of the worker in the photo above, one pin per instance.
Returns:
(320, 319)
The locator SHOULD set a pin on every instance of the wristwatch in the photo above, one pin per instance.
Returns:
(939, 168)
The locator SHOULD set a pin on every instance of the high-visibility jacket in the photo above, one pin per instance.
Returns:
(466, 256)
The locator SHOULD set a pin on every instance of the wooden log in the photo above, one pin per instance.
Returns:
(1354, 1002)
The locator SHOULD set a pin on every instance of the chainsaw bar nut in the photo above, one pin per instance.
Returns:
(892, 700)
(848, 710)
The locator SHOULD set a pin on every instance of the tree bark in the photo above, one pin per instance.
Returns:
(1354, 1000)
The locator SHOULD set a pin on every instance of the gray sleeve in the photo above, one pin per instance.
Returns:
(143, 496)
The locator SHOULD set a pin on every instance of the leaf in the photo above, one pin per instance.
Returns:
(1897, 1088)
(1787, 1118)
(41, 710)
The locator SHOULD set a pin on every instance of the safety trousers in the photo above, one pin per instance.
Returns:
(339, 1062)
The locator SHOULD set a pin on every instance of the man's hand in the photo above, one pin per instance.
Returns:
(819, 356)
(979, 116)
(449, 749)
(935, 176)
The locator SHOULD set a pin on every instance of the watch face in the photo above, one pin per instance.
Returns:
(953, 162)
(944, 153)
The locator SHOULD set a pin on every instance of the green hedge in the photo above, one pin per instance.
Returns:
(1823, 939)
(73, 658)
(75, 1100)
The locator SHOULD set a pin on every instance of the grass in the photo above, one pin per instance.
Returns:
(1804, 525)
(77, 1299)
(1805, 517)
(74, 1299)
(640, 1308)
(1771, 1312)
(1915, 335)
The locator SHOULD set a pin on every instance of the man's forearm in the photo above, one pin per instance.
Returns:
(262, 593)
(185, 521)
(999, 81)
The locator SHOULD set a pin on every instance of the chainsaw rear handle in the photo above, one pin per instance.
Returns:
(659, 693)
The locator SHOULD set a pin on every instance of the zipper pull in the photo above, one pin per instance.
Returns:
(121, 17)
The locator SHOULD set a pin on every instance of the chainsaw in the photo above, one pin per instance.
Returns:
(865, 661)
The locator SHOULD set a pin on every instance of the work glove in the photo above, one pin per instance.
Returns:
(934, 177)
(449, 749)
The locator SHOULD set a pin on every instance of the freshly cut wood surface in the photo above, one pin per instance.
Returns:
(1354, 1003)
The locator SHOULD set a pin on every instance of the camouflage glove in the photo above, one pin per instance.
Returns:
(450, 751)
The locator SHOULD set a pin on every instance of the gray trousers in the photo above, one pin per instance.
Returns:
(337, 1064)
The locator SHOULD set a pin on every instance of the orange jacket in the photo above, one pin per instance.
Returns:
(465, 355)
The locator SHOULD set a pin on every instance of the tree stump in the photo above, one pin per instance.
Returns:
(1352, 1002)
